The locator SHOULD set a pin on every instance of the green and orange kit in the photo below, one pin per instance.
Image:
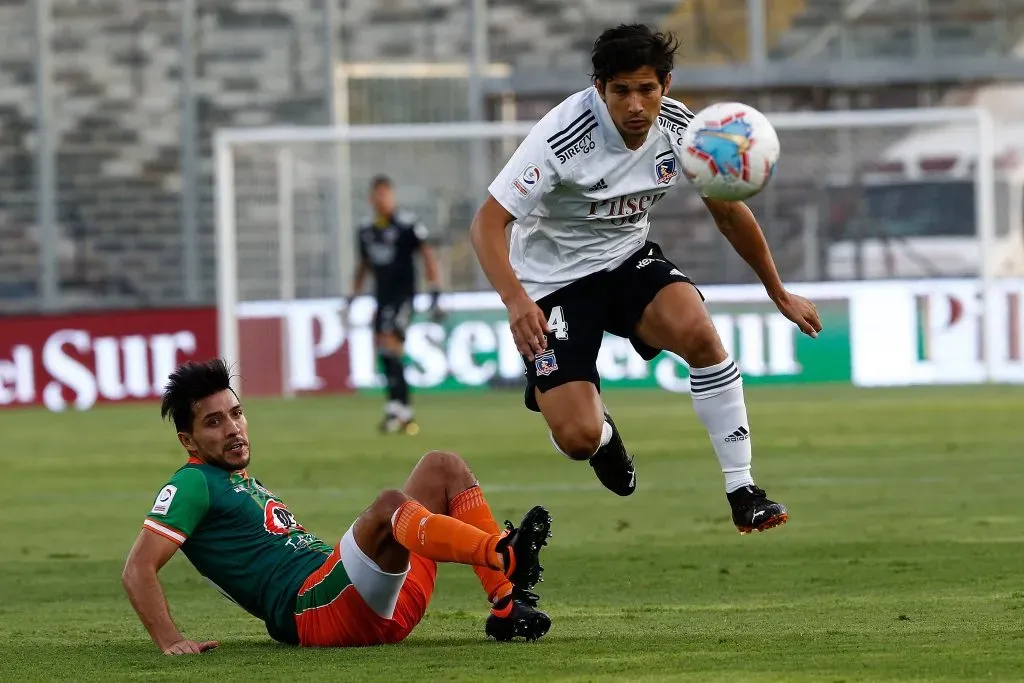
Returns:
(242, 538)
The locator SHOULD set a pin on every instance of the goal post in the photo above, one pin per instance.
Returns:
(279, 241)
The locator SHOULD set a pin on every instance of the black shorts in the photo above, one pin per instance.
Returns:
(393, 316)
(608, 301)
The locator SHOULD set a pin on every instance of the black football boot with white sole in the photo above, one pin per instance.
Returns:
(613, 465)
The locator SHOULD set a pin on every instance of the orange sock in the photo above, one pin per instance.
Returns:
(471, 507)
(444, 539)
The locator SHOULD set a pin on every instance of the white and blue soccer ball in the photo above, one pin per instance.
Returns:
(730, 151)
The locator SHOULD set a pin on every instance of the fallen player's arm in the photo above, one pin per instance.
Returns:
(149, 554)
(736, 221)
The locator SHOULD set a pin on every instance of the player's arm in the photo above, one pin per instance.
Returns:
(525, 317)
(526, 178)
(737, 223)
(362, 267)
(362, 270)
(431, 268)
(149, 554)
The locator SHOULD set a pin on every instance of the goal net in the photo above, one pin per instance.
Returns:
(858, 195)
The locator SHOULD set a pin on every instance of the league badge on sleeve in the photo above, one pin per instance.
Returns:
(546, 363)
(525, 183)
(163, 500)
(666, 169)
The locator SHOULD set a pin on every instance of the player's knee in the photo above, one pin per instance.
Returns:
(703, 346)
(445, 464)
(578, 440)
(387, 503)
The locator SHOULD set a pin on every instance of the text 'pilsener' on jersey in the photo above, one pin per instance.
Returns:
(580, 197)
(389, 247)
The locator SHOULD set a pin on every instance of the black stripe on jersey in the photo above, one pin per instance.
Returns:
(664, 154)
(569, 130)
(672, 118)
(682, 112)
(582, 134)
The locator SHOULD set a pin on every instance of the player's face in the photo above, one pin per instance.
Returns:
(634, 100)
(382, 198)
(220, 432)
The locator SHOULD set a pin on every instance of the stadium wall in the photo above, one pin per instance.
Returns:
(879, 333)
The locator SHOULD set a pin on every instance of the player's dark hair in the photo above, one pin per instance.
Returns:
(629, 47)
(380, 181)
(188, 385)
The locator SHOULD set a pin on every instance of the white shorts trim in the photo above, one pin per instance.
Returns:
(376, 587)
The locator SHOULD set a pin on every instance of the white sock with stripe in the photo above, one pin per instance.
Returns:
(717, 393)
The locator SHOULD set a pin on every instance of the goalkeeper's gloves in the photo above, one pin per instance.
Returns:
(437, 315)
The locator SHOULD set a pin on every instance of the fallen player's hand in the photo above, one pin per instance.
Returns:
(528, 324)
(801, 311)
(190, 647)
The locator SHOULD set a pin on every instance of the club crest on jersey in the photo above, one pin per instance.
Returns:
(525, 183)
(666, 169)
(545, 363)
(278, 519)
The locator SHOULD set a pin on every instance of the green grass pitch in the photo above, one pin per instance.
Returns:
(903, 558)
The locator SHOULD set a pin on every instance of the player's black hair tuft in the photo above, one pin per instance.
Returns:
(379, 181)
(629, 47)
(188, 385)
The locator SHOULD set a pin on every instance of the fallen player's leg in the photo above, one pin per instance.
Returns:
(388, 561)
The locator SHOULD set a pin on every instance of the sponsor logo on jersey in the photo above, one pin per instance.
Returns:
(576, 138)
(665, 168)
(546, 363)
(675, 118)
(525, 183)
(622, 210)
(278, 519)
(163, 500)
(583, 145)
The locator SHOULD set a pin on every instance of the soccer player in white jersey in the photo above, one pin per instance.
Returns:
(578, 191)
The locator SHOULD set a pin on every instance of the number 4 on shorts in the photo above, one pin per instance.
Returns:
(557, 324)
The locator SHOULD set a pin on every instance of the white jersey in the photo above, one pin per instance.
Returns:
(580, 197)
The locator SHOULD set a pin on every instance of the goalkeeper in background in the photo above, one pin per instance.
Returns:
(388, 244)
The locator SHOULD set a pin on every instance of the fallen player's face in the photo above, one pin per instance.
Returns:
(220, 432)
(634, 100)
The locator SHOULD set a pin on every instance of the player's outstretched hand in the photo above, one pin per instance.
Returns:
(802, 312)
(529, 326)
(190, 647)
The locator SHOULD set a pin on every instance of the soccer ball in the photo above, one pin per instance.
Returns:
(729, 151)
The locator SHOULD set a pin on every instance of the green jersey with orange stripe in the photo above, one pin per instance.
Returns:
(242, 538)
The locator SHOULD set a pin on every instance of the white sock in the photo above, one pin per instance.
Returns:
(606, 436)
(717, 394)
